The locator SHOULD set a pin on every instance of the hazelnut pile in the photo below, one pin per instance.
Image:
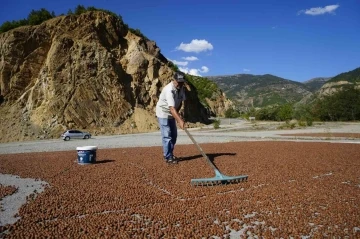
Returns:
(293, 189)
(5, 191)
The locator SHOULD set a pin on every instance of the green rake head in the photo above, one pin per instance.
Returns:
(219, 179)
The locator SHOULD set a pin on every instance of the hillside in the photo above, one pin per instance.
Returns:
(340, 81)
(210, 95)
(350, 76)
(248, 90)
(87, 71)
(316, 83)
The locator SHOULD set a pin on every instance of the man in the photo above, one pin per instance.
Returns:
(167, 112)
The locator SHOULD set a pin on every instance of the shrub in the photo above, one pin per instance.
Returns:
(138, 33)
(309, 121)
(343, 105)
(231, 113)
(36, 17)
(216, 124)
(302, 123)
(173, 66)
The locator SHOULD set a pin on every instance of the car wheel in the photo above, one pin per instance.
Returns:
(67, 138)
(86, 136)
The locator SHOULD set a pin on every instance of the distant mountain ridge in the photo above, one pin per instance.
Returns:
(316, 83)
(247, 90)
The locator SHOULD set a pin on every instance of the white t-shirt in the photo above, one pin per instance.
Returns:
(170, 96)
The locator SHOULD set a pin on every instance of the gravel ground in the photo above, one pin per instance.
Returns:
(236, 132)
(303, 188)
(328, 135)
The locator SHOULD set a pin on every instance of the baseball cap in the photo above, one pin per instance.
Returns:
(179, 77)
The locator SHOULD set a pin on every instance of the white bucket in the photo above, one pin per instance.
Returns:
(86, 154)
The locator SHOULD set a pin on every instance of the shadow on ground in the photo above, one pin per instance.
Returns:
(104, 161)
(210, 156)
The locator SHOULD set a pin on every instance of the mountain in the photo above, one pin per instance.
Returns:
(316, 83)
(87, 71)
(248, 90)
(350, 76)
(339, 81)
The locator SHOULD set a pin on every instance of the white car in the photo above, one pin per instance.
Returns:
(75, 134)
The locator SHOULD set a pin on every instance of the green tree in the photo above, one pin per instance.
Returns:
(173, 66)
(138, 33)
(39, 16)
(205, 88)
(80, 9)
(285, 112)
(267, 113)
(343, 105)
(303, 112)
(36, 17)
(232, 113)
(6, 26)
(91, 9)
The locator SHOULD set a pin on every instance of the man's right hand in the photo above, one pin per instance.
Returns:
(182, 124)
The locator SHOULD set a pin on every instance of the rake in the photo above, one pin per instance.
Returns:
(219, 178)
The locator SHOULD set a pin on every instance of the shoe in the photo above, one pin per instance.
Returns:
(175, 158)
(171, 161)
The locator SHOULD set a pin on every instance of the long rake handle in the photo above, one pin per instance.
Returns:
(200, 149)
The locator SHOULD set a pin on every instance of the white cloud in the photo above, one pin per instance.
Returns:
(195, 46)
(194, 72)
(179, 63)
(204, 69)
(320, 10)
(190, 58)
(246, 70)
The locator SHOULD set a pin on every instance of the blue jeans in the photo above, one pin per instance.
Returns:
(169, 134)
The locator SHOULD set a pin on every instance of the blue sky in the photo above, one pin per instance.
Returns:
(296, 40)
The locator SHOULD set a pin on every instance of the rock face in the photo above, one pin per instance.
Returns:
(86, 72)
(219, 104)
(338, 82)
(332, 87)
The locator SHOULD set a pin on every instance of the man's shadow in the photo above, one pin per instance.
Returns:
(210, 156)
(104, 161)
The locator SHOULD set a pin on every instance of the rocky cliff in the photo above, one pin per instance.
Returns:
(86, 72)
